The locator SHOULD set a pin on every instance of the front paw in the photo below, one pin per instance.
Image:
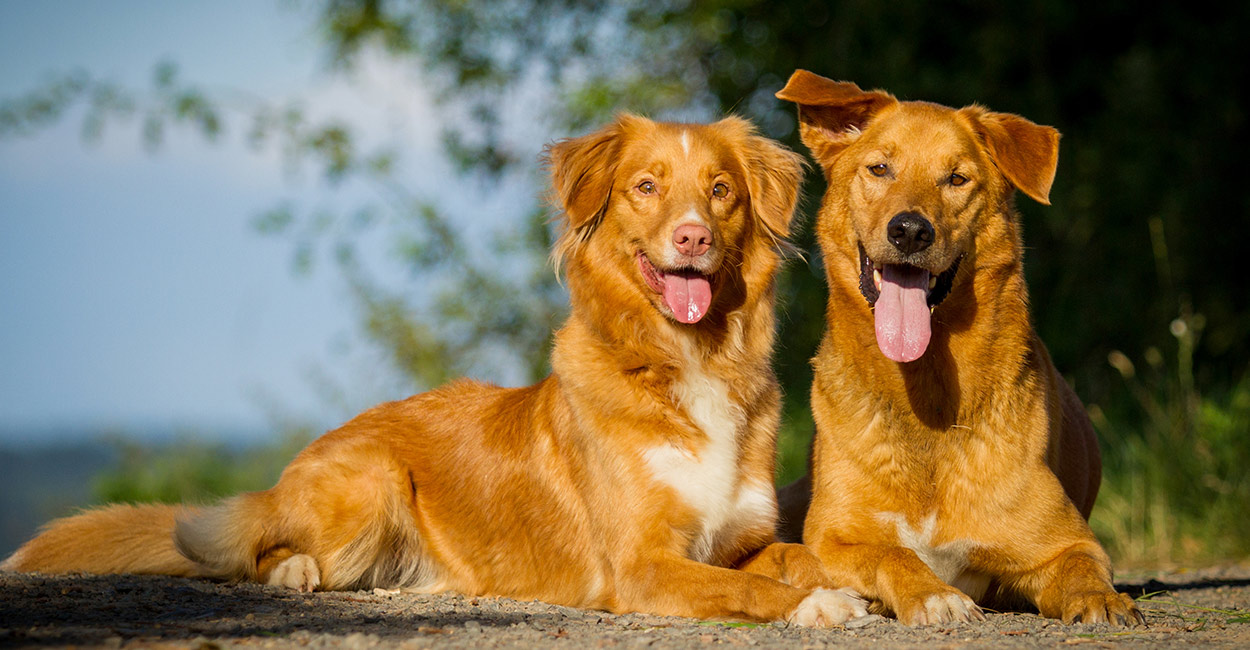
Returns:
(1102, 607)
(825, 607)
(944, 606)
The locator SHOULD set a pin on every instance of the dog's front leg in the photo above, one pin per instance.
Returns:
(1076, 587)
(899, 579)
(792, 564)
(1060, 567)
(671, 585)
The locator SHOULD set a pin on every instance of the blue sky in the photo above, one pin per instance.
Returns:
(134, 293)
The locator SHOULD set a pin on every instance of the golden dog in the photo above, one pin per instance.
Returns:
(951, 463)
(637, 477)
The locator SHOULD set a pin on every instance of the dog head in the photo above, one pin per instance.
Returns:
(668, 209)
(910, 184)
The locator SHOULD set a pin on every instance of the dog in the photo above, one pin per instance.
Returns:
(951, 463)
(637, 477)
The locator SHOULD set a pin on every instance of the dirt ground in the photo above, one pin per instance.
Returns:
(1205, 608)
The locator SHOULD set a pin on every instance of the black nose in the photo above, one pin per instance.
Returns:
(909, 232)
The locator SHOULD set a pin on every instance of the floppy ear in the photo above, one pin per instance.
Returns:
(1026, 153)
(773, 176)
(582, 171)
(831, 113)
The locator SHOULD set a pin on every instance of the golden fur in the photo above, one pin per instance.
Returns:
(967, 473)
(637, 477)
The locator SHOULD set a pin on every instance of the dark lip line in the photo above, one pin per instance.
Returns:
(945, 280)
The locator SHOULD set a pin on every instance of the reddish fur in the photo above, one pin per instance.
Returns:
(544, 492)
(981, 432)
(110, 539)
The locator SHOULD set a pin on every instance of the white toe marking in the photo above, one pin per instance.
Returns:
(825, 607)
(297, 572)
(944, 608)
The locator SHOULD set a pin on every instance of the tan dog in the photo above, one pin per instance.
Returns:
(951, 462)
(631, 479)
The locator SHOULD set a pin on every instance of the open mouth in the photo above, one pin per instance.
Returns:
(686, 292)
(903, 298)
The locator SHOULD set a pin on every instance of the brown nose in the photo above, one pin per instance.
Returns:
(692, 240)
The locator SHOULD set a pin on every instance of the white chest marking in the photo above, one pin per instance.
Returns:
(949, 560)
(707, 478)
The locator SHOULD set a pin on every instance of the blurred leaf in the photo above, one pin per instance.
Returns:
(274, 221)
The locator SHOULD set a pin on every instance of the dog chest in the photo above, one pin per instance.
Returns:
(706, 478)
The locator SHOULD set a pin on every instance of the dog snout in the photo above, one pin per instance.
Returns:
(909, 232)
(692, 240)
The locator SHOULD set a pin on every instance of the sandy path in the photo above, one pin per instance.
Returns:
(1207, 608)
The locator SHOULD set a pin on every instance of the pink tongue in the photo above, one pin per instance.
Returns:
(688, 295)
(902, 312)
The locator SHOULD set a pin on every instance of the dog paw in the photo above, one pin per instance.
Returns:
(941, 607)
(825, 607)
(298, 572)
(1103, 607)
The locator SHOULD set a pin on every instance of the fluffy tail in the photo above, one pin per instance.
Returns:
(227, 539)
(109, 539)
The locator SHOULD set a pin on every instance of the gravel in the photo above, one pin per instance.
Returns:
(1206, 608)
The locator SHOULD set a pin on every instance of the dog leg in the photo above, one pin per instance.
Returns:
(898, 578)
(1076, 587)
(793, 564)
(797, 566)
(677, 586)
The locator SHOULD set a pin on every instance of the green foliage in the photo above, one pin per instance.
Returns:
(1176, 462)
(190, 471)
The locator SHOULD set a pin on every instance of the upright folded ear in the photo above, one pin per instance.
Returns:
(582, 173)
(1026, 153)
(831, 113)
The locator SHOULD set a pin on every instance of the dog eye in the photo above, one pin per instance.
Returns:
(646, 187)
(957, 179)
(720, 190)
(879, 169)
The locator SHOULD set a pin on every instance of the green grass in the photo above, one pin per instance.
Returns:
(191, 471)
(1176, 462)
(1229, 616)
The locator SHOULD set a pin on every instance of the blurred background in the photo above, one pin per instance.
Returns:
(227, 227)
